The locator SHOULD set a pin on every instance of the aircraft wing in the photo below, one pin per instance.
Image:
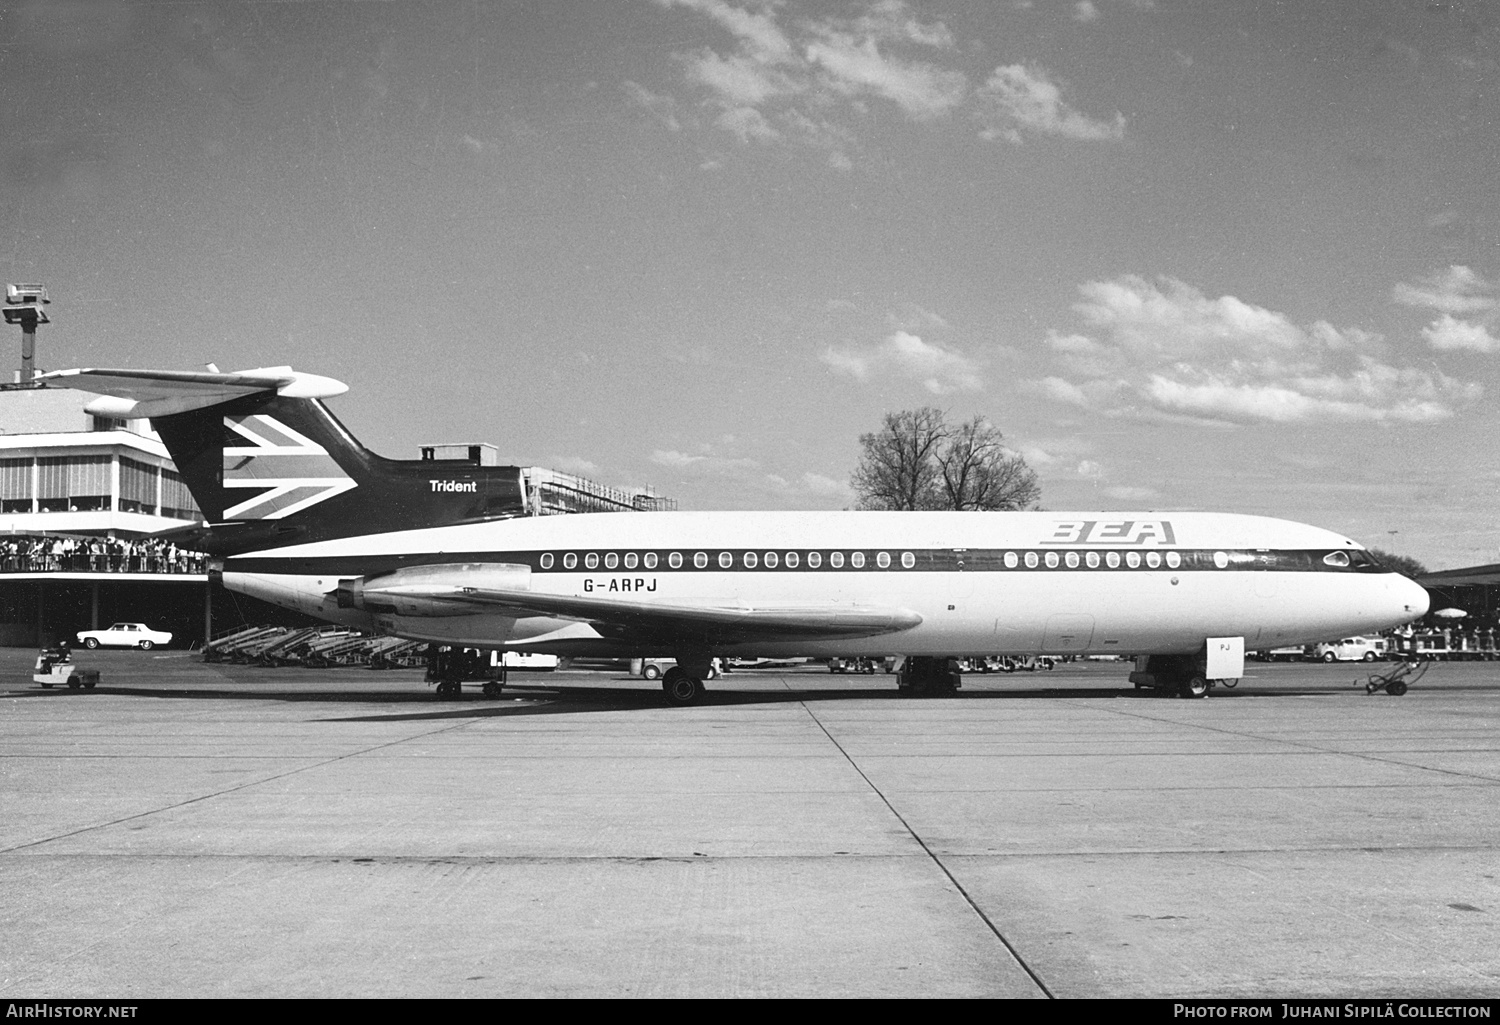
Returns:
(667, 624)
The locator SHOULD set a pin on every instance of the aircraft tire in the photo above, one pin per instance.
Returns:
(1195, 686)
(681, 690)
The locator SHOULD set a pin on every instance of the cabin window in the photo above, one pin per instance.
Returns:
(1133, 559)
(611, 561)
(1051, 560)
(750, 560)
(1174, 560)
(883, 560)
(1153, 559)
(908, 560)
(546, 560)
(649, 560)
(1112, 560)
(700, 560)
(771, 560)
(814, 560)
(1071, 559)
(791, 560)
(836, 560)
(674, 560)
(1221, 560)
(857, 560)
(1092, 558)
(726, 560)
(1337, 559)
(630, 560)
(570, 560)
(1011, 560)
(1031, 560)
(591, 560)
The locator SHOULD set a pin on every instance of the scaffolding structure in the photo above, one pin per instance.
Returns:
(552, 492)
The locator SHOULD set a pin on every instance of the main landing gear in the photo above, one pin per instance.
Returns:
(1183, 675)
(929, 677)
(683, 683)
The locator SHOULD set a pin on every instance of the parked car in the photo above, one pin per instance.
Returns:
(125, 635)
(1350, 649)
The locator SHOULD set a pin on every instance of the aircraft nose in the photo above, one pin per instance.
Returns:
(1411, 598)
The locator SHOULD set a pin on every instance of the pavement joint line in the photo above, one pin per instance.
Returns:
(1365, 756)
(1010, 948)
(226, 790)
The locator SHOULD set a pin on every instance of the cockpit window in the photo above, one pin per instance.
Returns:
(1337, 559)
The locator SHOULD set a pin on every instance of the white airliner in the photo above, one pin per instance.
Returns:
(303, 516)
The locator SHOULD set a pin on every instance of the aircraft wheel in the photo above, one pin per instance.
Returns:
(147, 645)
(652, 671)
(1329, 656)
(1195, 686)
(91, 642)
(680, 688)
(1396, 689)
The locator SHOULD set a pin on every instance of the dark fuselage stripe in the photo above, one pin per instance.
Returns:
(754, 560)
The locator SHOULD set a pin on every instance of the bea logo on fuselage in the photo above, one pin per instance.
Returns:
(1111, 532)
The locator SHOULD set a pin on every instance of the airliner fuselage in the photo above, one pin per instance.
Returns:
(966, 583)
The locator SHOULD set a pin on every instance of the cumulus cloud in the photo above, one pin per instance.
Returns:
(1456, 290)
(1085, 12)
(941, 370)
(1163, 347)
(1451, 333)
(702, 462)
(784, 76)
(1027, 97)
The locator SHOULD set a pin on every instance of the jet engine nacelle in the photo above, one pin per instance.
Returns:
(444, 590)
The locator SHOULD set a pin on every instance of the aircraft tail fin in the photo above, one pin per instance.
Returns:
(260, 450)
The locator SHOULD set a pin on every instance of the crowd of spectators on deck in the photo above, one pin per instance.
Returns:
(20, 553)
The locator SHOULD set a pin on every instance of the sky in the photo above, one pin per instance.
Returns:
(1236, 255)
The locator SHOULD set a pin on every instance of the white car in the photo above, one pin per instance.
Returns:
(1350, 649)
(125, 635)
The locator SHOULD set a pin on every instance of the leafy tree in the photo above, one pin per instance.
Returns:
(920, 461)
(1403, 564)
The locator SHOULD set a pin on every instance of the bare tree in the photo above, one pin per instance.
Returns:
(920, 461)
(977, 472)
(899, 469)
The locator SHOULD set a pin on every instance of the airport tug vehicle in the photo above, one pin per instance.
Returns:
(54, 666)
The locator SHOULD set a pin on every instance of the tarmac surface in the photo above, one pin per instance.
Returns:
(196, 830)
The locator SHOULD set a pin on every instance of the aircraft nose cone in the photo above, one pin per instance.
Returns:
(1412, 598)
